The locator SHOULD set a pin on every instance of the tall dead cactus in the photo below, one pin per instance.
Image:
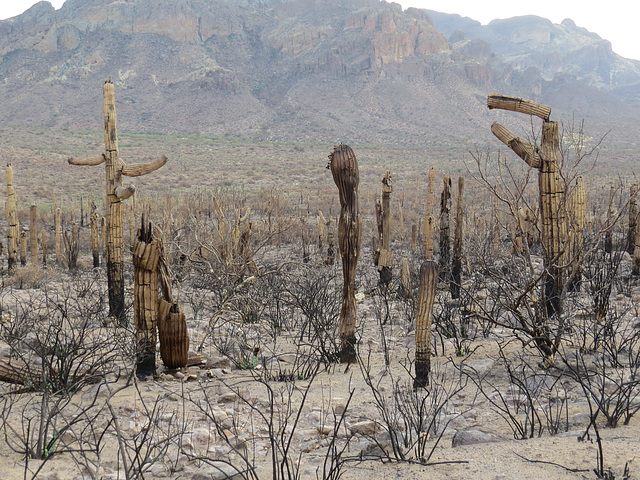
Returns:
(546, 159)
(115, 193)
(344, 168)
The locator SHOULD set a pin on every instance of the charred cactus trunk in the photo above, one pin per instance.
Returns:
(426, 297)
(633, 218)
(577, 205)
(33, 233)
(385, 261)
(456, 265)
(115, 168)
(146, 255)
(12, 220)
(445, 221)
(546, 159)
(344, 168)
(95, 236)
(429, 219)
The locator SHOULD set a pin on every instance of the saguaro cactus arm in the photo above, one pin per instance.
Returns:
(520, 105)
(524, 149)
(143, 168)
(91, 162)
(125, 192)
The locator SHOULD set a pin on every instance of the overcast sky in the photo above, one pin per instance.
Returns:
(614, 20)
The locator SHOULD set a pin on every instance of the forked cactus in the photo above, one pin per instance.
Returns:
(115, 168)
(344, 168)
(546, 159)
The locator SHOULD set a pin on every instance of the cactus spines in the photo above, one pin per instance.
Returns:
(344, 169)
(12, 220)
(456, 264)
(115, 168)
(426, 297)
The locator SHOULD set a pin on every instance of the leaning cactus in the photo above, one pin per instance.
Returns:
(344, 168)
(546, 159)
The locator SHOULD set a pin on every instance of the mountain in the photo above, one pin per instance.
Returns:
(300, 70)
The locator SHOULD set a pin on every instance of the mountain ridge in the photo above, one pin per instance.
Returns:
(299, 70)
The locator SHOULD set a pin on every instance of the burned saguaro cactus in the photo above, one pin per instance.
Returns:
(33, 233)
(456, 264)
(23, 248)
(426, 297)
(344, 168)
(633, 218)
(577, 207)
(11, 209)
(445, 237)
(43, 237)
(95, 236)
(57, 236)
(546, 159)
(72, 246)
(608, 233)
(115, 168)
(385, 259)
(429, 219)
(146, 255)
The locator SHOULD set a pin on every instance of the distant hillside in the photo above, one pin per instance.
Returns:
(300, 70)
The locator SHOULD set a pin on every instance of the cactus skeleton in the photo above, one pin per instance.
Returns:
(344, 169)
(12, 220)
(546, 159)
(115, 168)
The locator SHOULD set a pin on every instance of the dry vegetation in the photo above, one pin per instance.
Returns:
(270, 399)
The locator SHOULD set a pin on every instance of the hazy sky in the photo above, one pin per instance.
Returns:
(614, 20)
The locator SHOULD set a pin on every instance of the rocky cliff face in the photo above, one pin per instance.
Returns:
(317, 70)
